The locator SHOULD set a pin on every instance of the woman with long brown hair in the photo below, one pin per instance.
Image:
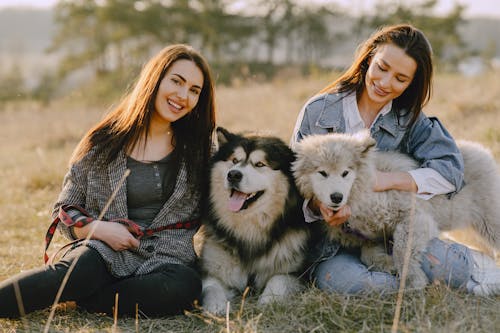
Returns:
(384, 90)
(141, 240)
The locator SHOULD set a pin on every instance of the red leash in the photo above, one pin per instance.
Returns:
(133, 227)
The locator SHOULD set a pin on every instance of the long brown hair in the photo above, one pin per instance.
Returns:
(123, 127)
(415, 45)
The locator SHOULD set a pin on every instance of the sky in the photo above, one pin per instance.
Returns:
(488, 8)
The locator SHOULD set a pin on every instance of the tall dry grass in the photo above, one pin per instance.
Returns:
(36, 144)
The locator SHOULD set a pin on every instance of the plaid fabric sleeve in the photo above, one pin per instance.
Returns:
(76, 216)
(73, 193)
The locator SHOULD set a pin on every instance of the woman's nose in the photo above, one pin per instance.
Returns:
(182, 92)
(385, 81)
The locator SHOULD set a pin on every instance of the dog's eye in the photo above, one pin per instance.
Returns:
(259, 164)
(235, 160)
(345, 173)
(323, 173)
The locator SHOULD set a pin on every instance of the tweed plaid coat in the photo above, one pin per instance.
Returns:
(89, 184)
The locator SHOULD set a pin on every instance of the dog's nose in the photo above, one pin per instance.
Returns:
(336, 197)
(234, 176)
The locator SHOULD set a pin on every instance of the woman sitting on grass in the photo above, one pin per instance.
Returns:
(384, 91)
(161, 132)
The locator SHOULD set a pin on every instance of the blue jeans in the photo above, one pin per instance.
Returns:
(344, 273)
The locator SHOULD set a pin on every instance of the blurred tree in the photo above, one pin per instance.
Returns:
(313, 34)
(277, 20)
(220, 33)
(46, 88)
(12, 84)
(441, 30)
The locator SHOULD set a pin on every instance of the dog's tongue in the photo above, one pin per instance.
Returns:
(236, 201)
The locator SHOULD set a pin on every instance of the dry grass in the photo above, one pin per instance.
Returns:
(36, 144)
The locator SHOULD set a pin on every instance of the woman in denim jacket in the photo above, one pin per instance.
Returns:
(384, 90)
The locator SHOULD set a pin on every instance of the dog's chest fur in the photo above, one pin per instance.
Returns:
(374, 214)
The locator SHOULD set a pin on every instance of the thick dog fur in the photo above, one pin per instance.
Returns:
(262, 242)
(339, 169)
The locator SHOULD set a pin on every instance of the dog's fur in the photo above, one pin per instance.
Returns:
(339, 169)
(262, 242)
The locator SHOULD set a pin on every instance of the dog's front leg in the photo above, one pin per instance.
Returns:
(404, 247)
(214, 296)
(279, 287)
(375, 256)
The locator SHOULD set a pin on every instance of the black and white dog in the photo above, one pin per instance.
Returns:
(254, 232)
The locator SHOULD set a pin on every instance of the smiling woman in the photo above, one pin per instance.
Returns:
(140, 246)
(383, 92)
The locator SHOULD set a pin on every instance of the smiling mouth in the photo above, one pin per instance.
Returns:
(239, 201)
(175, 105)
(379, 91)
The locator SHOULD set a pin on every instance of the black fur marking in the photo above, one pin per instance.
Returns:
(280, 157)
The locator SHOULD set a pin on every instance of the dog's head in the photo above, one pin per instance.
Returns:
(326, 166)
(249, 172)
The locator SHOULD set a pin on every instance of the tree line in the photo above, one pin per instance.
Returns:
(112, 38)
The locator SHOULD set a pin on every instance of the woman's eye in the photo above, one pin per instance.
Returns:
(323, 173)
(345, 173)
(195, 92)
(259, 164)
(176, 81)
(382, 69)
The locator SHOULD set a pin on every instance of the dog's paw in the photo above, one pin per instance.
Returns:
(214, 299)
(417, 279)
(278, 288)
(214, 304)
(215, 307)
(376, 258)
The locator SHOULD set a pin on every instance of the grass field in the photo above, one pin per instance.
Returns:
(36, 144)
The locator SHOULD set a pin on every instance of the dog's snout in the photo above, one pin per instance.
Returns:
(336, 197)
(234, 176)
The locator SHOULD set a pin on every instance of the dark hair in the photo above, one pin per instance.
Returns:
(124, 125)
(415, 45)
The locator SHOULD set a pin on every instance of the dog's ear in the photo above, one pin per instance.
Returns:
(223, 135)
(365, 141)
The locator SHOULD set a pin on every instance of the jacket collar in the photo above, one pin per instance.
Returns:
(332, 116)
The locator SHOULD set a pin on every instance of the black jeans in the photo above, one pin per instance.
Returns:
(168, 290)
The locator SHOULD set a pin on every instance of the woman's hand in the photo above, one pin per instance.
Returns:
(331, 217)
(401, 181)
(115, 235)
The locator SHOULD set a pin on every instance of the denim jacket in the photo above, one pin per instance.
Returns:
(427, 141)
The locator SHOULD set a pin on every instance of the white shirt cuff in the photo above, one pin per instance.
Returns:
(309, 215)
(430, 183)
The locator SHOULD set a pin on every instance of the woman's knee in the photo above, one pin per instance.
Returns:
(346, 274)
(182, 280)
(447, 262)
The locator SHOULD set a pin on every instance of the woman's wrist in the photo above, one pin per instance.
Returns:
(401, 181)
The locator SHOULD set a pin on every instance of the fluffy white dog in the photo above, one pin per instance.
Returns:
(339, 169)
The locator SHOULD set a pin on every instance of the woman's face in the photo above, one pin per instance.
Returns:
(179, 91)
(389, 73)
